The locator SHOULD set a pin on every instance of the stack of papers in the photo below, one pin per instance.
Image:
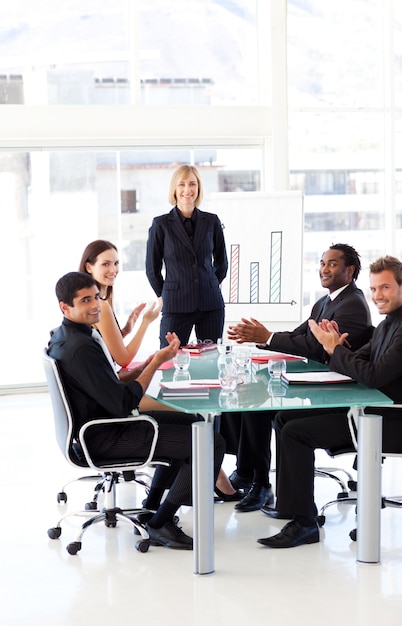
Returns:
(315, 378)
(199, 348)
(188, 389)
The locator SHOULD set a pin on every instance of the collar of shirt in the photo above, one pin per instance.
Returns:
(193, 217)
(84, 328)
(336, 293)
(393, 316)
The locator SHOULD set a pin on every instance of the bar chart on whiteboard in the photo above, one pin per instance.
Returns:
(263, 234)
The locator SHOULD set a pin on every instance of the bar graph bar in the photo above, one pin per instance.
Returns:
(276, 267)
(254, 281)
(234, 273)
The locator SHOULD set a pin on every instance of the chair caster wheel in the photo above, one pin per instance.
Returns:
(342, 495)
(320, 519)
(61, 497)
(143, 545)
(54, 533)
(352, 484)
(91, 506)
(353, 534)
(74, 547)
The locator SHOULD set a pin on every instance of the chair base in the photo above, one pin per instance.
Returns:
(100, 485)
(110, 515)
(394, 501)
(329, 472)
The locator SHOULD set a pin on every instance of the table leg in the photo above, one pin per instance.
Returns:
(369, 488)
(203, 500)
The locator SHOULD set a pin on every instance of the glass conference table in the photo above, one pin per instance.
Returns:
(259, 393)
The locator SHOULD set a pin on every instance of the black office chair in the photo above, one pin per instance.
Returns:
(109, 472)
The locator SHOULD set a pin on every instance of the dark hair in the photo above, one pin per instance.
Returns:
(390, 263)
(350, 255)
(68, 285)
(90, 255)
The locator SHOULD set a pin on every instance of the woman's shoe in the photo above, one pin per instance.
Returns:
(229, 497)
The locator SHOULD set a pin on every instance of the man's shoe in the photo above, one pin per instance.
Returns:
(292, 535)
(170, 536)
(256, 497)
(143, 519)
(238, 482)
(273, 513)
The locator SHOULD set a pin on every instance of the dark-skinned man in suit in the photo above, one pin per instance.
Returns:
(345, 304)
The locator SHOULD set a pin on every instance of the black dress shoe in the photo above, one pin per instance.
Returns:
(274, 513)
(170, 536)
(256, 497)
(228, 497)
(239, 482)
(292, 535)
(143, 519)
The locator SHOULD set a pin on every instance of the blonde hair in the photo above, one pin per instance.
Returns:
(183, 172)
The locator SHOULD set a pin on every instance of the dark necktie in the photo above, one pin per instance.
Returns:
(188, 225)
(327, 302)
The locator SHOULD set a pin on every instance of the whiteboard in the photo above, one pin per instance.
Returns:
(264, 242)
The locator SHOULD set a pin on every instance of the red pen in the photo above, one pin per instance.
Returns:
(346, 342)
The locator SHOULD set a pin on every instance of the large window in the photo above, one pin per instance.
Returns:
(344, 69)
(153, 52)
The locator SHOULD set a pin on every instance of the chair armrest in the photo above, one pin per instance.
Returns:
(352, 420)
(135, 417)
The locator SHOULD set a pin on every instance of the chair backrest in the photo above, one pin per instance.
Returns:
(63, 420)
(76, 452)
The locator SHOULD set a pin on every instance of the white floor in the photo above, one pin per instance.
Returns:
(109, 581)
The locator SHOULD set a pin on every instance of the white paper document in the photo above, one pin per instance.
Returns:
(316, 378)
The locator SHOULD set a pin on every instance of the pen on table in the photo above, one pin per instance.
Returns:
(346, 342)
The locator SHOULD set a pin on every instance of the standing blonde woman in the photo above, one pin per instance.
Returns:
(188, 244)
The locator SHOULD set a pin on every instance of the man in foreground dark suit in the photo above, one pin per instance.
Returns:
(378, 364)
(95, 392)
(339, 269)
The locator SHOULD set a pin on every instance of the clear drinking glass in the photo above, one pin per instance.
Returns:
(228, 376)
(242, 358)
(224, 345)
(276, 367)
(182, 361)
